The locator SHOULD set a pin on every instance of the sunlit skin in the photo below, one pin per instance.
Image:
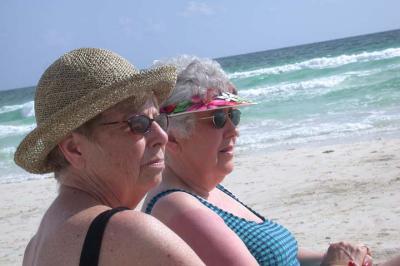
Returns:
(198, 164)
(113, 168)
(214, 146)
(120, 163)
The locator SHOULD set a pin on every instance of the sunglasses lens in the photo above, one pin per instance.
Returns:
(162, 121)
(139, 124)
(219, 119)
(235, 116)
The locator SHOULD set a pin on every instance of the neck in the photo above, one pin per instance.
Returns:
(90, 186)
(171, 178)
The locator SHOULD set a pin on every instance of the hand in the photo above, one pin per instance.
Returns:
(346, 254)
(367, 260)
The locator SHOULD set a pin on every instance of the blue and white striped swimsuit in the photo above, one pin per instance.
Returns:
(268, 242)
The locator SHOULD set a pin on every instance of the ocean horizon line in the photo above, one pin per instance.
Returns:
(219, 59)
(306, 44)
(319, 93)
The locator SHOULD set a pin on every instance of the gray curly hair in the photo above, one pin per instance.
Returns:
(195, 76)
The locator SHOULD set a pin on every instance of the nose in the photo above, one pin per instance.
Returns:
(157, 136)
(230, 129)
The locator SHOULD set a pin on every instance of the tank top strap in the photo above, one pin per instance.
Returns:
(227, 192)
(153, 201)
(91, 247)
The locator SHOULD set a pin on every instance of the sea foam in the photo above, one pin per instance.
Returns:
(300, 133)
(10, 108)
(310, 87)
(11, 130)
(27, 109)
(320, 63)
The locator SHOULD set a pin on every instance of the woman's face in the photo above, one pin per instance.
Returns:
(209, 151)
(123, 163)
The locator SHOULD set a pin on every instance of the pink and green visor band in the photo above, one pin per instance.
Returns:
(197, 104)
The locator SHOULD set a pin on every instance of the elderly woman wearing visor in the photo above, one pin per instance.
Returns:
(222, 230)
(99, 131)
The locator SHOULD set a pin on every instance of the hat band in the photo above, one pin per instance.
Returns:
(196, 103)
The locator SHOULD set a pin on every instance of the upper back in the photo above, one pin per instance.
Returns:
(60, 236)
(129, 236)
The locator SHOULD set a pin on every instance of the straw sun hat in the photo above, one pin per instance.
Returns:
(78, 86)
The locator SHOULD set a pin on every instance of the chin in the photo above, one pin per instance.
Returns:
(225, 170)
(156, 180)
(151, 180)
(229, 167)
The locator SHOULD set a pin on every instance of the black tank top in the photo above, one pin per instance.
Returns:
(91, 247)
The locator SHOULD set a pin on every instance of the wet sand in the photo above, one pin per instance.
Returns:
(322, 194)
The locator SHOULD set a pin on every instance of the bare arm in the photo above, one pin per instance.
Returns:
(393, 262)
(204, 231)
(310, 258)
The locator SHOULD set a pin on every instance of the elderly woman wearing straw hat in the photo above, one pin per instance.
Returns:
(99, 131)
(222, 230)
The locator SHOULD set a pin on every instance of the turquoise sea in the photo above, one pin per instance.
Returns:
(327, 92)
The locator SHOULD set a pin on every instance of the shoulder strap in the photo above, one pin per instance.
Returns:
(91, 247)
(153, 201)
(227, 192)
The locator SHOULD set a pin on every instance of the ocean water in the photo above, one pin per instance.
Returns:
(332, 91)
(328, 92)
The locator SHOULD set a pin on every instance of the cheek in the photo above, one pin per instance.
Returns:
(133, 156)
(205, 153)
(126, 157)
(211, 144)
(204, 143)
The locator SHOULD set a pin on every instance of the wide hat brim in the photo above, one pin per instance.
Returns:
(237, 105)
(32, 152)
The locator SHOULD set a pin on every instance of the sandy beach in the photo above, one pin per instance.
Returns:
(322, 194)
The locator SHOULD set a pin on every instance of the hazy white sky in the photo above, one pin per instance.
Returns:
(35, 33)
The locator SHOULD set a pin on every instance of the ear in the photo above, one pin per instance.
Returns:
(173, 145)
(71, 148)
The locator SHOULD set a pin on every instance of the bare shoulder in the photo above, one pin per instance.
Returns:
(136, 225)
(29, 254)
(129, 236)
(177, 203)
(203, 229)
(135, 236)
(180, 210)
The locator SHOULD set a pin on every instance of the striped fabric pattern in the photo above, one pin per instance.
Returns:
(269, 243)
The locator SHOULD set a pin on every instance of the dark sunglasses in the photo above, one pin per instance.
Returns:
(219, 117)
(141, 124)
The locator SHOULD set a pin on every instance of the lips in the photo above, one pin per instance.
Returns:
(155, 161)
(227, 149)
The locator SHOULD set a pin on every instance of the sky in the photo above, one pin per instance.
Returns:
(33, 34)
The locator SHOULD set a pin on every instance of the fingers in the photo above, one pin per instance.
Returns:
(338, 254)
(367, 261)
(348, 254)
(363, 246)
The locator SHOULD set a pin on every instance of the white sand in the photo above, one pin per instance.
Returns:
(347, 192)
(22, 207)
(350, 193)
